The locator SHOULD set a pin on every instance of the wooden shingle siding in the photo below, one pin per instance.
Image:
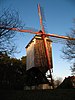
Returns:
(40, 57)
(36, 54)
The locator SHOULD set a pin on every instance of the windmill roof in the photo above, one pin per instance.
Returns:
(37, 37)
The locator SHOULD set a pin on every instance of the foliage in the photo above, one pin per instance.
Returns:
(57, 81)
(12, 72)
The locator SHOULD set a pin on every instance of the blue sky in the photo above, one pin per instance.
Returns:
(59, 15)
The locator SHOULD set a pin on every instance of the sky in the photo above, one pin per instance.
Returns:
(59, 15)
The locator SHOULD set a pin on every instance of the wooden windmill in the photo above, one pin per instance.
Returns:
(41, 34)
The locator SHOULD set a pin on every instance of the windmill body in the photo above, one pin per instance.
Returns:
(36, 56)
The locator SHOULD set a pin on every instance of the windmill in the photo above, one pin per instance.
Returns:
(43, 35)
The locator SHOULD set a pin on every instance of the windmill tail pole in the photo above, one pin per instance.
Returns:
(46, 51)
(52, 83)
(48, 59)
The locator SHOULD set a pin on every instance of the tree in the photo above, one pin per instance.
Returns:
(73, 69)
(8, 19)
(12, 72)
(69, 50)
(57, 82)
(23, 60)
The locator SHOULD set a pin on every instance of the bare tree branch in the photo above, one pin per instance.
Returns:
(10, 19)
(69, 49)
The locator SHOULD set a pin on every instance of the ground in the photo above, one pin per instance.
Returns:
(57, 94)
